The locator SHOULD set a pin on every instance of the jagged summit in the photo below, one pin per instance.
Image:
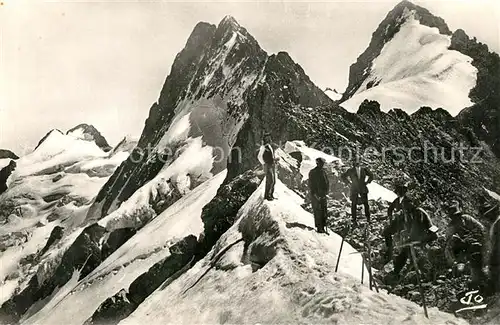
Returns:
(229, 22)
(89, 133)
(409, 64)
(389, 27)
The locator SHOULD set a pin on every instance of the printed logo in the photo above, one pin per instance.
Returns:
(470, 300)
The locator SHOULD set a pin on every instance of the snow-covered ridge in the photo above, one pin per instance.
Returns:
(272, 267)
(416, 68)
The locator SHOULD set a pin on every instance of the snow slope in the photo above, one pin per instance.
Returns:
(136, 256)
(333, 94)
(416, 69)
(192, 166)
(272, 267)
(4, 162)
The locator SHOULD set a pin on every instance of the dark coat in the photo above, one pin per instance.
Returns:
(414, 224)
(358, 184)
(403, 204)
(268, 155)
(318, 182)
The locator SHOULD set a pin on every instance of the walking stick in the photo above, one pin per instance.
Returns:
(340, 252)
(368, 252)
(341, 246)
(415, 264)
(362, 268)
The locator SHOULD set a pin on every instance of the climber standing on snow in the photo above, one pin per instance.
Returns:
(267, 159)
(318, 188)
(358, 180)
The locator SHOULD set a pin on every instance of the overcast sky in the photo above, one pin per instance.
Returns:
(104, 62)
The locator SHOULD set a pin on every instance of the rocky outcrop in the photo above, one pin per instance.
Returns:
(115, 239)
(4, 153)
(285, 88)
(220, 214)
(90, 133)
(4, 175)
(55, 235)
(484, 116)
(122, 304)
(384, 33)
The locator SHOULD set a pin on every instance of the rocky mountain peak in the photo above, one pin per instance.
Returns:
(228, 22)
(89, 133)
(387, 29)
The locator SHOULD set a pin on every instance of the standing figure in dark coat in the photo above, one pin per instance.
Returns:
(318, 188)
(359, 177)
(267, 158)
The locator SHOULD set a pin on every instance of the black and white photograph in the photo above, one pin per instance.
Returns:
(249, 162)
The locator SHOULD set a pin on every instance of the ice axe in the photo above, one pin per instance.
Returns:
(415, 264)
(340, 250)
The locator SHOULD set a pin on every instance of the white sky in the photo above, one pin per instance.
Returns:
(104, 62)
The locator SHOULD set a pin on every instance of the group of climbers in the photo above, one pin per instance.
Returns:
(466, 237)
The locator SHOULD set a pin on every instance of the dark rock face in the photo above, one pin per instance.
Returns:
(115, 240)
(4, 153)
(286, 87)
(384, 33)
(118, 307)
(220, 213)
(55, 235)
(84, 255)
(4, 175)
(92, 134)
(484, 116)
(218, 216)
